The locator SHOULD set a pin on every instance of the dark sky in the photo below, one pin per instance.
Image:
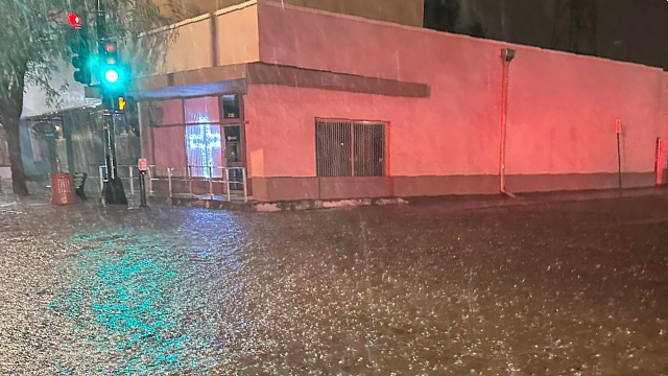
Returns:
(635, 30)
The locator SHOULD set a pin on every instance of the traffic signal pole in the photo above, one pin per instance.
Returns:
(112, 191)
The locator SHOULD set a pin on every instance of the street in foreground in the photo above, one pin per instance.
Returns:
(562, 289)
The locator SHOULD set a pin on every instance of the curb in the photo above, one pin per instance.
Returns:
(452, 202)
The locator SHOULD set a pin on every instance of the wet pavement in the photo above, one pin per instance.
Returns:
(558, 289)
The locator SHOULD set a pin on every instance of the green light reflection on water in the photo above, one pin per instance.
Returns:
(135, 307)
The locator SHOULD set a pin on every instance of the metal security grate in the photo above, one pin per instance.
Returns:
(350, 148)
(369, 149)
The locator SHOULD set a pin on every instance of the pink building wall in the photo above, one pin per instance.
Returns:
(462, 106)
(561, 114)
(561, 108)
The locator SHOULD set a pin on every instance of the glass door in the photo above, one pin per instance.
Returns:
(234, 154)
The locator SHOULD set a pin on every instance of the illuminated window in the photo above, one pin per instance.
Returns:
(204, 145)
(201, 109)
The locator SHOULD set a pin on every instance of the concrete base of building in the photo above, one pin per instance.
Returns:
(578, 182)
(296, 205)
(448, 203)
(275, 189)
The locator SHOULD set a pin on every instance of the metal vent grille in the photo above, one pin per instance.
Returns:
(350, 148)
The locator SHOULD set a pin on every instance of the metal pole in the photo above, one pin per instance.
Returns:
(504, 113)
(245, 182)
(619, 160)
(169, 181)
(190, 180)
(150, 181)
(227, 179)
(659, 161)
(507, 56)
(210, 182)
(101, 173)
(142, 189)
(113, 192)
(132, 179)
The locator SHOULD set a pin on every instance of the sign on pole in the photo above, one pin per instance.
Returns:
(142, 164)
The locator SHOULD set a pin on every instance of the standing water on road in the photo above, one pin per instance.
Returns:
(578, 289)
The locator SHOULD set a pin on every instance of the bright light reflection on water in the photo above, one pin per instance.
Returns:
(147, 305)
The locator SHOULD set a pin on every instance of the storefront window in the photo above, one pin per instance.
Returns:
(167, 112)
(202, 110)
(231, 108)
(204, 146)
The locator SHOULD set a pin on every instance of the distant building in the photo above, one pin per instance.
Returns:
(406, 12)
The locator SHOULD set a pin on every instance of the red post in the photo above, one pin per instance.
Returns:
(658, 164)
(618, 131)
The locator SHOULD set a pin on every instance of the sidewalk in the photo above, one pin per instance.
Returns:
(536, 198)
(40, 195)
(452, 202)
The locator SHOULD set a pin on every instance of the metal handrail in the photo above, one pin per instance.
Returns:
(186, 175)
(102, 172)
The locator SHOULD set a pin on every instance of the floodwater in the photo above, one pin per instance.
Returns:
(562, 289)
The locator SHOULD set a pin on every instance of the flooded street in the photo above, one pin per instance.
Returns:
(559, 289)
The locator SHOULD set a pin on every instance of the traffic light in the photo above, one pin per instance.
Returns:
(112, 74)
(74, 20)
(121, 104)
(79, 43)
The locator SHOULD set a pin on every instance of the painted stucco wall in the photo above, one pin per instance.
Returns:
(189, 47)
(230, 34)
(406, 12)
(562, 112)
(561, 116)
(238, 40)
(664, 107)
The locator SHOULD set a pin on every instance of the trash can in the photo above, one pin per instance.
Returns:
(62, 189)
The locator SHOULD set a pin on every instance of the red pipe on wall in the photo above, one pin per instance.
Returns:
(507, 56)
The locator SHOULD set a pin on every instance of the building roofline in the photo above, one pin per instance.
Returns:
(498, 43)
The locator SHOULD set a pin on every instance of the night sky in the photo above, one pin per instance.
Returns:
(634, 30)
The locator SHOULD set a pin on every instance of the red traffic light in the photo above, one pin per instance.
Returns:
(74, 20)
(110, 48)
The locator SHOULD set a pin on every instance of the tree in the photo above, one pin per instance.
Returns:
(34, 39)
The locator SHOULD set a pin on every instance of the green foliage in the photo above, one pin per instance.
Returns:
(35, 35)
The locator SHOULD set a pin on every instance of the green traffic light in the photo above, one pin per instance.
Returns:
(111, 76)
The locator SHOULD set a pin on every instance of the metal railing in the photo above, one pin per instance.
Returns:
(229, 179)
(133, 174)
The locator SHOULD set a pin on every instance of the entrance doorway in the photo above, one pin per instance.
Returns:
(234, 153)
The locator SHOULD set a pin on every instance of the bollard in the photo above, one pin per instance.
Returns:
(169, 181)
(142, 189)
(132, 179)
(142, 166)
(211, 182)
